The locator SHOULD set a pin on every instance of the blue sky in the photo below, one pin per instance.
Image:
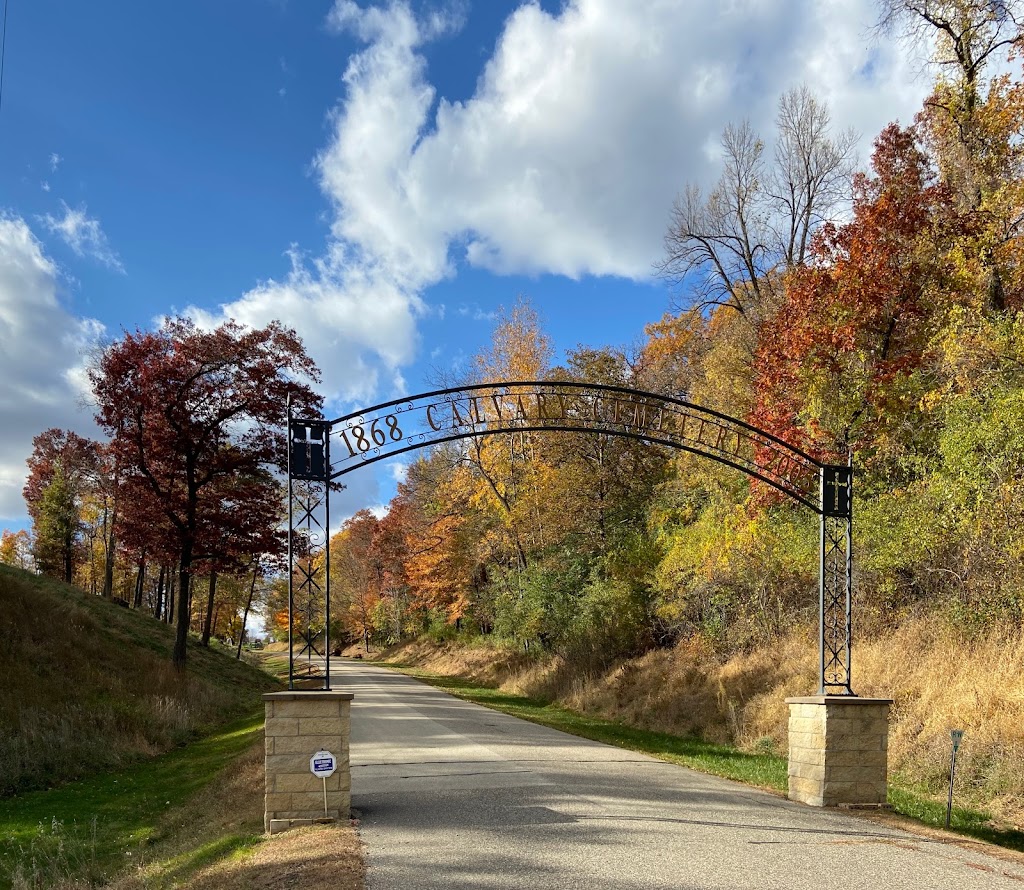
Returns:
(382, 177)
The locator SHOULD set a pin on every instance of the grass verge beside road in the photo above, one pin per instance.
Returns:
(767, 771)
(91, 829)
(190, 819)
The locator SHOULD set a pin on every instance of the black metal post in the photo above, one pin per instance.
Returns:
(291, 535)
(949, 800)
(849, 578)
(835, 588)
(822, 569)
(956, 735)
(327, 558)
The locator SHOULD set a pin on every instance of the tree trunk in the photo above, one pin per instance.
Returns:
(208, 623)
(108, 564)
(107, 525)
(69, 560)
(160, 593)
(245, 614)
(169, 611)
(996, 294)
(184, 607)
(140, 582)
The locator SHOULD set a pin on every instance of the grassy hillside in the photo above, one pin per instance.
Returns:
(88, 685)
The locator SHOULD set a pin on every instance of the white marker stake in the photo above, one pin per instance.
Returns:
(323, 764)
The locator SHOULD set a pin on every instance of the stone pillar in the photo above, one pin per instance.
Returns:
(838, 750)
(298, 725)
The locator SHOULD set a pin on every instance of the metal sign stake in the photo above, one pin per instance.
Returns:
(957, 736)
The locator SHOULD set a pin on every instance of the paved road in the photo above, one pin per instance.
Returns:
(452, 795)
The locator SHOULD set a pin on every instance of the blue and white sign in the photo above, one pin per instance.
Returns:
(323, 764)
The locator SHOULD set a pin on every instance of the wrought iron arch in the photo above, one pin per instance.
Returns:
(321, 451)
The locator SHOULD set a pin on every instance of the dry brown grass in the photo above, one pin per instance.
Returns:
(482, 664)
(938, 680)
(89, 686)
(303, 859)
(215, 843)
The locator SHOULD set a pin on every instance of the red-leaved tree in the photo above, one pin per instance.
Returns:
(196, 419)
(834, 364)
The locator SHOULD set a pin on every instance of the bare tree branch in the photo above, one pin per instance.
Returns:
(727, 249)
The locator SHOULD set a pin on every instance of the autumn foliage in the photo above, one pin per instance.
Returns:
(188, 483)
(872, 316)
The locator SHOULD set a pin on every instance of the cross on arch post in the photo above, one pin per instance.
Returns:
(308, 447)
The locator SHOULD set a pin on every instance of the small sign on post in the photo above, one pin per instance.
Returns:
(323, 765)
(957, 736)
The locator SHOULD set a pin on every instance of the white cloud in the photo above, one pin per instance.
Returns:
(44, 185)
(42, 349)
(55, 161)
(473, 311)
(84, 235)
(399, 470)
(582, 128)
(358, 325)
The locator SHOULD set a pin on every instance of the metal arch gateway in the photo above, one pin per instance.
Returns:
(322, 451)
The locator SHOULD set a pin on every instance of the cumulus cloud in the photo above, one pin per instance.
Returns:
(356, 321)
(84, 235)
(42, 349)
(582, 128)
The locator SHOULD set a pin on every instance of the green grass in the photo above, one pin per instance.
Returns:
(178, 869)
(89, 686)
(763, 770)
(767, 771)
(913, 802)
(93, 828)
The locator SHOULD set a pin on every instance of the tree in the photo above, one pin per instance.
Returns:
(62, 466)
(732, 245)
(16, 549)
(355, 579)
(973, 121)
(189, 413)
(595, 489)
(968, 33)
(243, 523)
(56, 531)
(443, 535)
(519, 350)
(390, 552)
(836, 366)
(260, 570)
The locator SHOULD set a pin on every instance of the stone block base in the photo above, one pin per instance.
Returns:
(838, 750)
(298, 725)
